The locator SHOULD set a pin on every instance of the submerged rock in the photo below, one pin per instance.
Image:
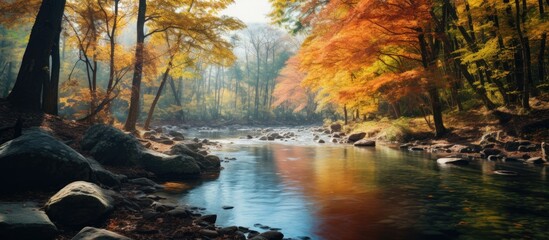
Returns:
(25, 221)
(453, 161)
(79, 203)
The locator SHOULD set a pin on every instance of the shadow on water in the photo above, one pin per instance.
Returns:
(342, 192)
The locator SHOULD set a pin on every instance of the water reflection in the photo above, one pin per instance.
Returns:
(342, 192)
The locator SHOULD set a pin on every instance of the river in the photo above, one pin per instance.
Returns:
(333, 191)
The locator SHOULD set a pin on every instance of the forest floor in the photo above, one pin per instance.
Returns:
(464, 127)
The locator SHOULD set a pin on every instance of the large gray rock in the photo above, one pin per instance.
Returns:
(79, 203)
(111, 146)
(36, 160)
(91, 233)
(166, 166)
(24, 221)
(206, 163)
(356, 136)
(103, 176)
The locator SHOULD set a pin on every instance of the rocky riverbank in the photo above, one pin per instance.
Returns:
(491, 146)
(103, 189)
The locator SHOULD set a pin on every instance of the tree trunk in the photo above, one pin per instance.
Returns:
(525, 51)
(345, 115)
(175, 93)
(34, 70)
(158, 93)
(50, 95)
(432, 89)
(541, 60)
(133, 113)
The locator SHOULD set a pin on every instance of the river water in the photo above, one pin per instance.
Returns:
(331, 191)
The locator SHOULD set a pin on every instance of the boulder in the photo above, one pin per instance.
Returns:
(37, 160)
(111, 146)
(336, 127)
(103, 176)
(356, 136)
(79, 203)
(365, 143)
(166, 166)
(270, 235)
(206, 163)
(176, 134)
(91, 233)
(25, 221)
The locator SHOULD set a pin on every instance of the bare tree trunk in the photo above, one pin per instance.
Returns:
(50, 95)
(525, 51)
(541, 58)
(158, 93)
(27, 92)
(133, 113)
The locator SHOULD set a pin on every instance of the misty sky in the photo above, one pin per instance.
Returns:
(249, 11)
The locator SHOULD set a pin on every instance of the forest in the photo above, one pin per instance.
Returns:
(334, 59)
(148, 118)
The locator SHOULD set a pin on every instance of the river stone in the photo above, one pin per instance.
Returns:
(163, 165)
(489, 151)
(270, 235)
(79, 203)
(356, 136)
(535, 160)
(527, 148)
(211, 218)
(206, 163)
(174, 133)
(25, 221)
(365, 143)
(453, 161)
(37, 160)
(111, 146)
(209, 233)
(336, 127)
(91, 233)
(511, 146)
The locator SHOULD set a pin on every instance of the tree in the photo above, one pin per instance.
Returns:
(34, 72)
